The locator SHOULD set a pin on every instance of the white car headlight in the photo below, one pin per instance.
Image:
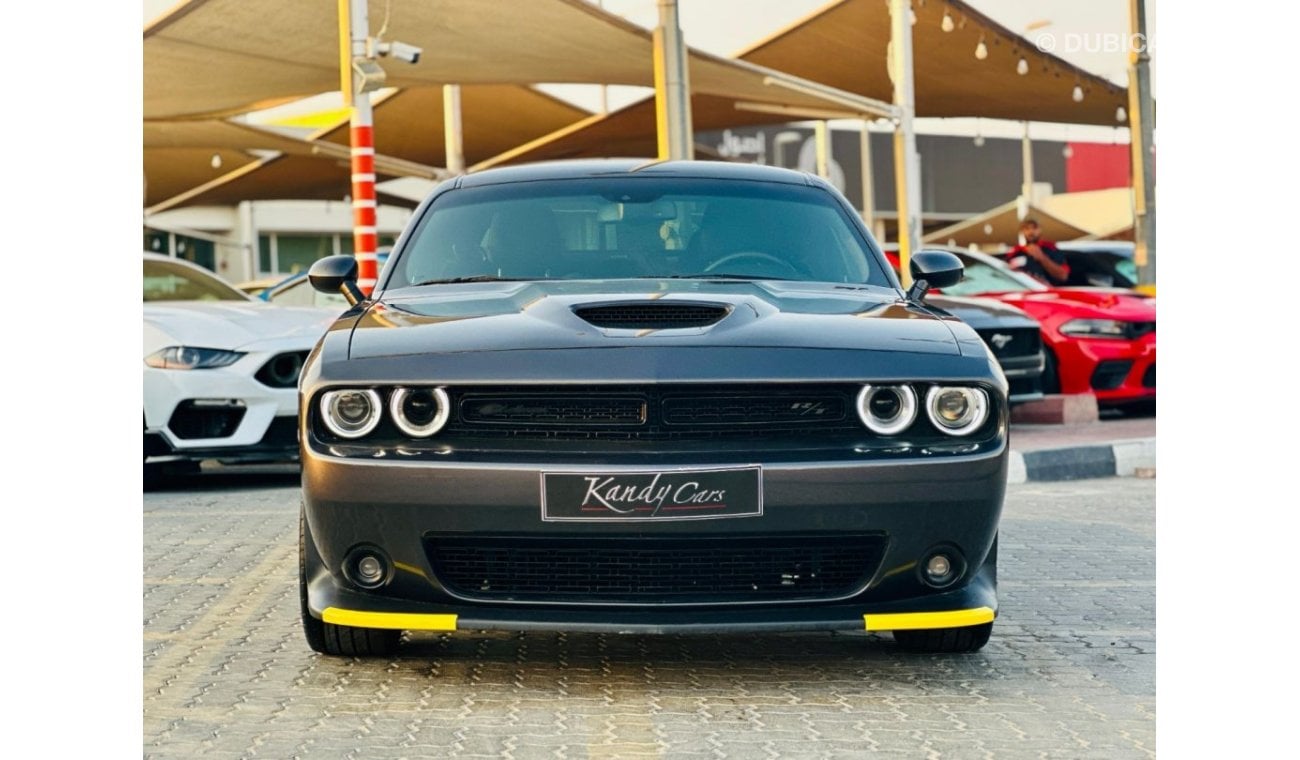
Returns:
(887, 409)
(351, 413)
(419, 412)
(957, 410)
(191, 357)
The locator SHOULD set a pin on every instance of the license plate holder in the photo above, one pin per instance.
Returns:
(652, 495)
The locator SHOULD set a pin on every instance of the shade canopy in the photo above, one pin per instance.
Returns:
(1105, 214)
(844, 45)
(409, 140)
(1000, 227)
(210, 58)
(627, 133)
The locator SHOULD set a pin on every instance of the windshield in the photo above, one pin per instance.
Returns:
(170, 281)
(612, 228)
(981, 276)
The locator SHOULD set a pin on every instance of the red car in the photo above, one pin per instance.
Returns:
(1097, 340)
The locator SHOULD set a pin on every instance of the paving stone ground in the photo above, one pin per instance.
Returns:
(1069, 672)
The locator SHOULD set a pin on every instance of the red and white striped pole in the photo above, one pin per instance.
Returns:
(364, 239)
(354, 28)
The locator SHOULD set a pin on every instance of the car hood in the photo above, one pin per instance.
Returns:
(982, 313)
(502, 316)
(234, 324)
(1112, 303)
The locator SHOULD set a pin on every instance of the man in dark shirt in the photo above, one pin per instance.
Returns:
(1037, 257)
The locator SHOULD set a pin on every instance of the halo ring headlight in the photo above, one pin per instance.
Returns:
(404, 401)
(887, 409)
(351, 412)
(957, 410)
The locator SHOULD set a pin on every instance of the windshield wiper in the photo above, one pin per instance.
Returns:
(476, 278)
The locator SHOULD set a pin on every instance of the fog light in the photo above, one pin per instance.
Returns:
(938, 568)
(367, 567)
(371, 570)
(941, 567)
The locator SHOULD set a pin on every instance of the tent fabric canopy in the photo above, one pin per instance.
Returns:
(627, 133)
(494, 118)
(408, 127)
(209, 58)
(1061, 217)
(844, 44)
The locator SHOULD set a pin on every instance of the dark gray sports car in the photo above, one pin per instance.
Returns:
(648, 397)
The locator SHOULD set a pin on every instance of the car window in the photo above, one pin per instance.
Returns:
(169, 281)
(301, 293)
(645, 227)
(981, 277)
(1128, 269)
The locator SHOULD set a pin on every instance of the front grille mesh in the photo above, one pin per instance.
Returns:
(654, 412)
(654, 570)
(1014, 342)
(195, 419)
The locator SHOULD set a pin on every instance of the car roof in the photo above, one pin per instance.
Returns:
(1117, 247)
(613, 167)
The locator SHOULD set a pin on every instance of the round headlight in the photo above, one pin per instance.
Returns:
(887, 409)
(350, 413)
(957, 410)
(419, 412)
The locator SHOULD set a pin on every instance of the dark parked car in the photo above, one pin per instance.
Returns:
(1012, 335)
(647, 397)
(1100, 263)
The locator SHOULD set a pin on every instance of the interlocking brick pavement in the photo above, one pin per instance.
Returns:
(1069, 672)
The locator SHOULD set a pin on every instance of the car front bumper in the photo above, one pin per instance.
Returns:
(267, 417)
(911, 505)
(1115, 371)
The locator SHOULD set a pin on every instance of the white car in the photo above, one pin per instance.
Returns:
(220, 368)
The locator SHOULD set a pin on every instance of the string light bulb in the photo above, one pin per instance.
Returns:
(1077, 94)
(947, 24)
(216, 161)
(1120, 114)
(981, 50)
(1022, 67)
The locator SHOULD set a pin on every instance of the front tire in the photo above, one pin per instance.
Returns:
(945, 640)
(331, 639)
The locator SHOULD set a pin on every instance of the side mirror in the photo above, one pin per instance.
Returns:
(336, 274)
(933, 269)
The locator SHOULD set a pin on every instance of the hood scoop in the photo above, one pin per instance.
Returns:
(652, 315)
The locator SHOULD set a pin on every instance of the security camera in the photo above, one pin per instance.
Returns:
(400, 51)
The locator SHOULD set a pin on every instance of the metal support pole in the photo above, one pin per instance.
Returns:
(354, 27)
(821, 131)
(672, 87)
(1027, 166)
(453, 129)
(907, 179)
(1141, 114)
(868, 182)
